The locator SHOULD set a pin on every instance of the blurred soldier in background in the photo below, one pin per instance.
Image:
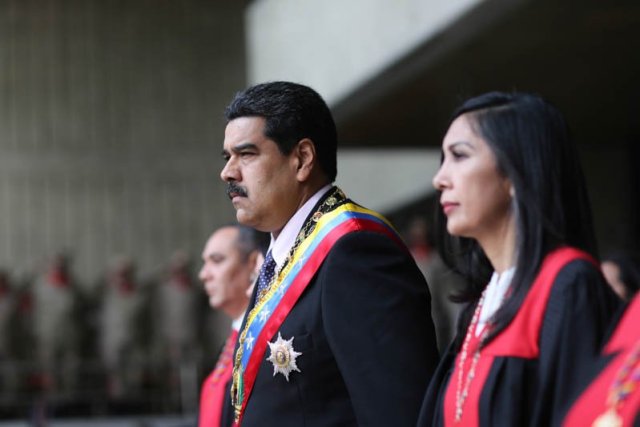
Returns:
(442, 281)
(56, 322)
(124, 333)
(8, 310)
(178, 310)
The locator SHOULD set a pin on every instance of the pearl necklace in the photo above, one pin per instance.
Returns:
(463, 392)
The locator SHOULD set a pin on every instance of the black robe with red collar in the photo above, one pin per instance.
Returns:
(528, 372)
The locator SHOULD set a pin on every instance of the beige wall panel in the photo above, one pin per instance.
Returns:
(111, 126)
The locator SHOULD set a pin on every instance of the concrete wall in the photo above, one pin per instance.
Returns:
(335, 46)
(383, 179)
(111, 127)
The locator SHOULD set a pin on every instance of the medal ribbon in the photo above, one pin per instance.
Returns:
(267, 317)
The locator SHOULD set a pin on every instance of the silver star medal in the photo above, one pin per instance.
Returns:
(283, 356)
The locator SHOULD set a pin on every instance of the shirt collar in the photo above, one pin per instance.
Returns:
(281, 246)
(494, 296)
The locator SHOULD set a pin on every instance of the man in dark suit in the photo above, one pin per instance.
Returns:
(339, 329)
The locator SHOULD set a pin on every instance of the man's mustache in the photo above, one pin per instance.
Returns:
(235, 189)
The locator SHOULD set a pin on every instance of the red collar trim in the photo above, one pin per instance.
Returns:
(520, 338)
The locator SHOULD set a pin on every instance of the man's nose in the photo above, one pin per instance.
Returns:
(229, 172)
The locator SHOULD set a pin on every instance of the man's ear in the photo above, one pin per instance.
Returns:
(305, 153)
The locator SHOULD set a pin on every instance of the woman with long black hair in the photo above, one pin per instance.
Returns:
(519, 229)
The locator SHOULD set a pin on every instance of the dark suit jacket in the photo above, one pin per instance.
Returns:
(368, 345)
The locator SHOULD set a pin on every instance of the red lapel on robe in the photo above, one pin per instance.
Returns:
(521, 337)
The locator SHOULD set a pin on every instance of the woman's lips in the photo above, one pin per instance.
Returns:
(448, 207)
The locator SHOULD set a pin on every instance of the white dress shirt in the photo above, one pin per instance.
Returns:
(281, 246)
(494, 296)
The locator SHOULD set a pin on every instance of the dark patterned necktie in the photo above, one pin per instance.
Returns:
(266, 273)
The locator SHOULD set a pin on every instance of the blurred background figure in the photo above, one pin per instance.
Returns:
(123, 327)
(178, 314)
(179, 306)
(7, 305)
(443, 282)
(231, 259)
(8, 310)
(256, 271)
(622, 271)
(56, 325)
(417, 238)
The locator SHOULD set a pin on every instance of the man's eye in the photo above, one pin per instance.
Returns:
(246, 154)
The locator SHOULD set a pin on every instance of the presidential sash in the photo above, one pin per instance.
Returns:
(267, 316)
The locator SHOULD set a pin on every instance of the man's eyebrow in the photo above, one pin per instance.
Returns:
(246, 145)
(238, 148)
